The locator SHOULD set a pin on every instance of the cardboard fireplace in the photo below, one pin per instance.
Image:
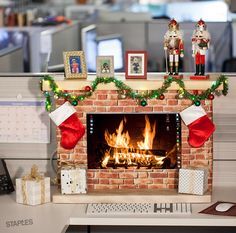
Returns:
(130, 147)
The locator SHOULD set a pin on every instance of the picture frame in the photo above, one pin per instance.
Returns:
(136, 65)
(105, 66)
(75, 65)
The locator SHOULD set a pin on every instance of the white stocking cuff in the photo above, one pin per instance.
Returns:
(62, 113)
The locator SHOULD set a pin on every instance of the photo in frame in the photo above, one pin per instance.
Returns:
(136, 65)
(75, 66)
(105, 66)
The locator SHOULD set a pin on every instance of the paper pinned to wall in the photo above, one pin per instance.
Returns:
(24, 121)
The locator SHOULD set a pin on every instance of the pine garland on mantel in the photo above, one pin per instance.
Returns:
(127, 92)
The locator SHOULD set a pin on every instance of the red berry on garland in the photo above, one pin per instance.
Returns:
(87, 88)
(195, 92)
(161, 97)
(211, 97)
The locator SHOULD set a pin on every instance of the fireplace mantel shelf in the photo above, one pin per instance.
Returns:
(154, 81)
(132, 196)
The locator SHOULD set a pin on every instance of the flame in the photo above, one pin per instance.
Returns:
(106, 159)
(148, 134)
(124, 154)
(118, 139)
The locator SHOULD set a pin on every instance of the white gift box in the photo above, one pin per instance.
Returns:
(33, 192)
(73, 180)
(193, 180)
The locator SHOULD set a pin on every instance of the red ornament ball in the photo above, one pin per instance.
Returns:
(87, 88)
(161, 97)
(211, 97)
(195, 92)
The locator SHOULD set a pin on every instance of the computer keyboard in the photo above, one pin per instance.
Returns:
(138, 208)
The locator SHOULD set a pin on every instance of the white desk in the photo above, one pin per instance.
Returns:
(51, 217)
(79, 217)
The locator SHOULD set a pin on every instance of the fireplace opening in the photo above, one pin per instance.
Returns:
(133, 141)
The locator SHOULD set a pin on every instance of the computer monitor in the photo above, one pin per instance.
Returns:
(108, 45)
(112, 45)
(89, 46)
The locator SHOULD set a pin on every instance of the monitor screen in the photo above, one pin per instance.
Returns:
(89, 46)
(111, 45)
(144, 140)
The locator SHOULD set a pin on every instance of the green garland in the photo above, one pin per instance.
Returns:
(127, 92)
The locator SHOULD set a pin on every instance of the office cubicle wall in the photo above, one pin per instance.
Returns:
(11, 60)
(67, 39)
(21, 156)
(156, 56)
(134, 34)
(224, 147)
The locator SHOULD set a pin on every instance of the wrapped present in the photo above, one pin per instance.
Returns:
(73, 180)
(193, 180)
(33, 189)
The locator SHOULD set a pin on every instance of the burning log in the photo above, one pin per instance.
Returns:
(148, 152)
(126, 157)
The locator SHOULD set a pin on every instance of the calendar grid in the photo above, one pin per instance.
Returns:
(24, 121)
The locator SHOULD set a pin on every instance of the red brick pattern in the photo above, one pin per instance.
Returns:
(107, 101)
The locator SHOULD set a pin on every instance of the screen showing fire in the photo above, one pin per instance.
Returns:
(133, 141)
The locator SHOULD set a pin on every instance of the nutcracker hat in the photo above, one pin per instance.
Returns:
(173, 25)
(201, 24)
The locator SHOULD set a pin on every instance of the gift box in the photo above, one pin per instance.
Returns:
(33, 189)
(193, 180)
(73, 180)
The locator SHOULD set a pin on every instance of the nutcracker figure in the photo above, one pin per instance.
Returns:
(200, 44)
(173, 47)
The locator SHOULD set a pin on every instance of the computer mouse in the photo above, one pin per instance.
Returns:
(223, 207)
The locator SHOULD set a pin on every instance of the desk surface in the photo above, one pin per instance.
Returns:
(79, 217)
(56, 217)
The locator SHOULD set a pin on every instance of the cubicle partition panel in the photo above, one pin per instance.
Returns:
(134, 34)
(11, 60)
(66, 39)
(143, 178)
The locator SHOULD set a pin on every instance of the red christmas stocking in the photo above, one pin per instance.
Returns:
(199, 125)
(72, 130)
